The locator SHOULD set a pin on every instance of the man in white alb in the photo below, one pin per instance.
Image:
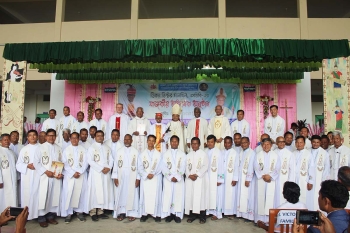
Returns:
(15, 146)
(260, 148)
(80, 123)
(305, 133)
(158, 129)
(177, 127)
(237, 137)
(219, 126)
(66, 122)
(119, 121)
(240, 125)
(290, 145)
(92, 131)
(197, 127)
(139, 129)
(98, 121)
(8, 175)
(114, 143)
(52, 122)
(83, 139)
(274, 125)
(127, 181)
(173, 169)
(339, 154)
(65, 142)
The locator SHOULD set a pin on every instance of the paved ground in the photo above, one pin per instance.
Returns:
(111, 225)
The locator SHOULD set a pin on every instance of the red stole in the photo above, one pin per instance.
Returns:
(196, 131)
(117, 123)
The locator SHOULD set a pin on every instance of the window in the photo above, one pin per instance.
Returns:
(328, 9)
(86, 10)
(262, 8)
(27, 11)
(158, 9)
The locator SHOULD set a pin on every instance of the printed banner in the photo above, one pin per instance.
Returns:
(12, 101)
(161, 97)
(336, 95)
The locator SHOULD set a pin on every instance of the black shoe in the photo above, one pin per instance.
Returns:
(103, 216)
(143, 218)
(157, 219)
(68, 219)
(177, 219)
(94, 218)
(169, 218)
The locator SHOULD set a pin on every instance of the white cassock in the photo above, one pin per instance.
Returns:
(77, 126)
(197, 192)
(338, 157)
(259, 148)
(8, 177)
(231, 169)
(26, 156)
(48, 190)
(320, 159)
(177, 129)
(287, 173)
(216, 173)
(274, 126)
(304, 168)
(238, 149)
(100, 186)
(149, 162)
(100, 125)
(158, 130)
(90, 140)
(241, 127)
(246, 195)
(85, 144)
(74, 191)
(139, 142)
(123, 122)
(64, 144)
(219, 126)
(266, 164)
(291, 147)
(173, 166)
(197, 126)
(126, 194)
(16, 148)
(66, 122)
(115, 146)
(51, 124)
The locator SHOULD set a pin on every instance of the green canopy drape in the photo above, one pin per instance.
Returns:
(239, 60)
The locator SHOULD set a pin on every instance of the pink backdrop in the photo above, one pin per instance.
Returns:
(72, 97)
(250, 114)
(287, 92)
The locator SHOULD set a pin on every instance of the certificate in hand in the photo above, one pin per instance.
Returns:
(141, 128)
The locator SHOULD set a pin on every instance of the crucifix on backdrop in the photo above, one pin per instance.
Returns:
(286, 108)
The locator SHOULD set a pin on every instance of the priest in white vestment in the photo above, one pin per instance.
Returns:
(119, 121)
(287, 172)
(288, 137)
(339, 155)
(219, 126)
(237, 137)
(267, 166)
(197, 127)
(48, 184)
(304, 168)
(25, 166)
(240, 125)
(149, 168)
(216, 178)
(51, 123)
(83, 139)
(320, 159)
(66, 122)
(305, 133)
(274, 125)
(139, 129)
(231, 169)
(74, 191)
(15, 146)
(65, 142)
(173, 169)
(126, 181)
(80, 123)
(177, 127)
(196, 183)
(8, 175)
(158, 129)
(325, 143)
(246, 182)
(92, 131)
(114, 143)
(100, 123)
(100, 185)
(259, 148)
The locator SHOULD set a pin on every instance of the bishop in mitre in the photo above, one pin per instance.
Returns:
(74, 191)
(173, 169)
(196, 183)
(127, 181)
(139, 129)
(176, 126)
(219, 126)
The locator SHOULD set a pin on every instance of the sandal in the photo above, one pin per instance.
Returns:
(121, 217)
(131, 219)
(202, 220)
(190, 220)
(214, 218)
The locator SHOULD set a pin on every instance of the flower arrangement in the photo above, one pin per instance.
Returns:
(264, 99)
(91, 105)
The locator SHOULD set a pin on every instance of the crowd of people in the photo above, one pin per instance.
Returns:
(138, 169)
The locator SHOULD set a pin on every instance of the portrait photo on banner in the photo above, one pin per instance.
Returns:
(160, 97)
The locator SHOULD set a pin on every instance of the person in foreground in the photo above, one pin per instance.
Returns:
(21, 219)
(325, 227)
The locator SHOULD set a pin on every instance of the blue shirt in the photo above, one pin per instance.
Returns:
(340, 220)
